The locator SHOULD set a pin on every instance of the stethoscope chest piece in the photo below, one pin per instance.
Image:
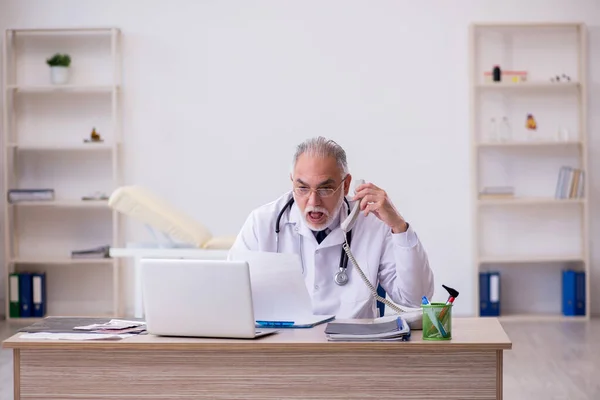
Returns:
(341, 277)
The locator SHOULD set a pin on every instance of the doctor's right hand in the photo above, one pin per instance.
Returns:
(375, 200)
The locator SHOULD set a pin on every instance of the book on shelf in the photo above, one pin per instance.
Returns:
(497, 192)
(17, 195)
(95, 252)
(570, 183)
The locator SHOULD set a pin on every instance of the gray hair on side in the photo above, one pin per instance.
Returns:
(322, 147)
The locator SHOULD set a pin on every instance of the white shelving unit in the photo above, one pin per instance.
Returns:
(44, 130)
(532, 236)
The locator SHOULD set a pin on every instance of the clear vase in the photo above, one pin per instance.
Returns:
(492, 130)
(505, 130)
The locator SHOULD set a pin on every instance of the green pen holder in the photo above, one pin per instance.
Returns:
(437, 321)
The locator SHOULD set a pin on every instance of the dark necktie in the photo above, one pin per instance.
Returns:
(321, 235)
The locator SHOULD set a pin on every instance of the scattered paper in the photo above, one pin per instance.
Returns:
(74, 336)
(113, 324)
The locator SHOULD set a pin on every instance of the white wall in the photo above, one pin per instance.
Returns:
(218, 93)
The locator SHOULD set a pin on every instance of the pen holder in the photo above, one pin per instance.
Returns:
(437, 321)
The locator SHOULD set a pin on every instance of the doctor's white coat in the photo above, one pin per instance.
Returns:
(396, 261)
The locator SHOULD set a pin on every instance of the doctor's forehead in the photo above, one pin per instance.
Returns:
(315, 169)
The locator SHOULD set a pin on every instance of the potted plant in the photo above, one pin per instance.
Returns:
(59, 68)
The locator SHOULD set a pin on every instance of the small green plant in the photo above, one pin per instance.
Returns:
(59, 60)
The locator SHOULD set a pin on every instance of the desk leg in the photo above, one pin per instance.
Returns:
(499, 372)
(17, 373)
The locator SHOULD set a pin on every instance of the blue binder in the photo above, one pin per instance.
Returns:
(489, 294)
(484, 293)
(573, 292)
(580, 293)
(26, 294)
(39, 294)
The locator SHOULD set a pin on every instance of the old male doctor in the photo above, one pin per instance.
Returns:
(385, 246)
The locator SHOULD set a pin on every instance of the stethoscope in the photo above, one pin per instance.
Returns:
(340, 277)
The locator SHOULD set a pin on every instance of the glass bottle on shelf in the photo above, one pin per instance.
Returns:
(492, 130)
(504, 130)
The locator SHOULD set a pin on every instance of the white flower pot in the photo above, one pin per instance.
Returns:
(59, 75)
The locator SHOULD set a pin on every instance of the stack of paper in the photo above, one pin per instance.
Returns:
(67, 328)
(387, 331)
(114, 326)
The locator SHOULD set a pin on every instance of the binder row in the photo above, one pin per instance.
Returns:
(570, 183)
(573, 293)
(27, 293)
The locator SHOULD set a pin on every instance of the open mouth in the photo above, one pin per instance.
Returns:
(316, 217)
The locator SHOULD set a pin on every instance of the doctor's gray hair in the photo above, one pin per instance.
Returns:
(322, 147)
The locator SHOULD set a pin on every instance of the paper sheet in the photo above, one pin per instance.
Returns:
(73, 336)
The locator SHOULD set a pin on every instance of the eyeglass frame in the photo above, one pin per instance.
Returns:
(310, 190)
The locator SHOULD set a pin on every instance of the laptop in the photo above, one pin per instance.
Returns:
(279, 293)
(199, 298)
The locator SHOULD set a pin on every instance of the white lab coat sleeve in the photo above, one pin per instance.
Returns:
(247, 238)
(404, 271)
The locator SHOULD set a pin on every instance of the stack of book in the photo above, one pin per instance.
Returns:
(497, 192)
(96, 252)
(18, 195)
(570, 183)
(385, 331)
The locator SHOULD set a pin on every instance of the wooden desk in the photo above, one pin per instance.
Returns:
(293, 364)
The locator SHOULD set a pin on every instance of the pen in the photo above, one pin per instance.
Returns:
(453, 294)
(275, 323)
(432, 317)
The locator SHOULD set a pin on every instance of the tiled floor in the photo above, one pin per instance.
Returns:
(549, 360)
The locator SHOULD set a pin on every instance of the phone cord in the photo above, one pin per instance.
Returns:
(368, 283)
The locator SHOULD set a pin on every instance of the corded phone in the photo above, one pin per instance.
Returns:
(412, 316)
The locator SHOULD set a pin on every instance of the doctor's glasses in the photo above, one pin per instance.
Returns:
(304, 191)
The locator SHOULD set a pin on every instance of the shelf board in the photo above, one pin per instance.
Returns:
(61, 261)
(540, 318)
(534, 201)
(62, 88)
(527, 25)
(66, 31)
(62, 147)
(63, 203)
(528, 86)
(532, 143)
(529, 259)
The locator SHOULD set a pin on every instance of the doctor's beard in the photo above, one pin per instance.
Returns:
(329, 217)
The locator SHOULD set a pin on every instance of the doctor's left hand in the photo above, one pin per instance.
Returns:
(375, 200)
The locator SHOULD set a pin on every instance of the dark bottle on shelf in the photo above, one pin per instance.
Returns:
(497, 73)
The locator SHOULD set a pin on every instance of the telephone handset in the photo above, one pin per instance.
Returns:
(348, 223)
(346, 226)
